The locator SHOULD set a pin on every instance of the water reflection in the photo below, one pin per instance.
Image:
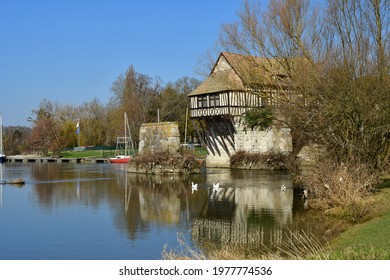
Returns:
(249, 209)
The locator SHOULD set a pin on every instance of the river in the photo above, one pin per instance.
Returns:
(100, 211)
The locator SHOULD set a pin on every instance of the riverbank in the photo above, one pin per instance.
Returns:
(369, 240)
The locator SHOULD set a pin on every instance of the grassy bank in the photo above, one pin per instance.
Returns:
(369, 240)
(198, 152)
(87, 154)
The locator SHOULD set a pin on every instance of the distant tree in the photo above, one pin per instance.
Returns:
(133, 93)
(16, 139)
(186, 85)
(46, 132)
(183, 87)
(92, 117)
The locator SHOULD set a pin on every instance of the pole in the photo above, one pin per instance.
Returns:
(185, 130)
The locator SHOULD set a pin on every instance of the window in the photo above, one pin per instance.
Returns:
(214, 100)
(202, 101)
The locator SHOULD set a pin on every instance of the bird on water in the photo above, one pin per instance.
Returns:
(194, 187)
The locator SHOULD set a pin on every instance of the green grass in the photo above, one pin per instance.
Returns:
(87, 154)
(198, 152)
(370, 240)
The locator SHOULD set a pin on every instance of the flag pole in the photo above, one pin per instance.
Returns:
(78, 133)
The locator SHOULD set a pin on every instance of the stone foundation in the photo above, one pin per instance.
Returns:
(272, 140)
(157, 137)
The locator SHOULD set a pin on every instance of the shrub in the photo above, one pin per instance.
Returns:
(270, 160)
(261, 117)
(341, 190)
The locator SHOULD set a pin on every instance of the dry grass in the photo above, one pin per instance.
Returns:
(270, 160)
(341, 190)
(184, 161)
(183, 251)
(297, 247)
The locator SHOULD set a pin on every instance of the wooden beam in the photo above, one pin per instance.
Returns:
(199, 135)
(223, 144)
(211, 138)
(210, 145)
(231, 133)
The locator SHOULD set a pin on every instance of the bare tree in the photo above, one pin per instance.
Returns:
(336, 60)
(133, 93)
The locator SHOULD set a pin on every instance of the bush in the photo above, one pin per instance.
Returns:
(270, 160)
(258, 117)
(184, 161)
(341, 190)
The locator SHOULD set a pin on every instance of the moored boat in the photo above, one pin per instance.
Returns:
(123, 145)
(120, 159)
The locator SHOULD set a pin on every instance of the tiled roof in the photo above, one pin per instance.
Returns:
(245, 71)
(255, 70)
(219, 81)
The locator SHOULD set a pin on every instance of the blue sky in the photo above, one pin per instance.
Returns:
(71, 51)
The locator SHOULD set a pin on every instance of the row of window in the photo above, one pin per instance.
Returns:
(213, 99)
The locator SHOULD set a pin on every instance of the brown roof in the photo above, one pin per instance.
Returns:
(254, 70)
(245, 71)
(219, 81)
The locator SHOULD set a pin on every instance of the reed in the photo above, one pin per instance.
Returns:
(297, 247)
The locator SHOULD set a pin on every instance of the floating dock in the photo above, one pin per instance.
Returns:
(57, 160)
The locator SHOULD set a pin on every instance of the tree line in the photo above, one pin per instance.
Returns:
(143, 98)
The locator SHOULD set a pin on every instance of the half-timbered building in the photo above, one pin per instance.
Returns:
(236, 84)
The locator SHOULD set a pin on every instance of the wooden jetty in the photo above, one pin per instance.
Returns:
(26, 159)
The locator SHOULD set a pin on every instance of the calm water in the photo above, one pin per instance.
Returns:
(99, 211)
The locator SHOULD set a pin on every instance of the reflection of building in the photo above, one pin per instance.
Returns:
(159, 207)
(258, 216)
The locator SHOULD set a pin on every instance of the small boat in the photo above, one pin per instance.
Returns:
(120, 159)
(123, 145)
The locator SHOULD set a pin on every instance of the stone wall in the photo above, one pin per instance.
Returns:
(159, 137)
(275, 139)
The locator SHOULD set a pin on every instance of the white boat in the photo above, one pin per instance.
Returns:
(2, 156)
(123, 145)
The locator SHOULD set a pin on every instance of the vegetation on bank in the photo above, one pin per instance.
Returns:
(198, 152)
(369, 240)
(242, 159)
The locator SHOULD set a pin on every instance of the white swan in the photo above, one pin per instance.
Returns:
(283, 188)
(194, 187)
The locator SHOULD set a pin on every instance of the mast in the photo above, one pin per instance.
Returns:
(125, 123)
(1, 134)
(128, 138)
(185, 130)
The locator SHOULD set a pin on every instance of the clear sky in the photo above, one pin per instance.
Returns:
(71, 51)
